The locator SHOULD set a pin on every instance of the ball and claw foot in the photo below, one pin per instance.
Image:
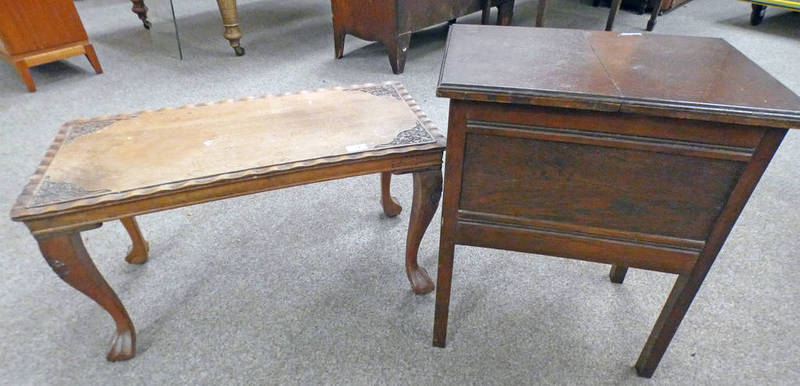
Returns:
(239, 50)
(137, 256)
(146, 24)
(390, 207)
(123, 346)
(421, 283)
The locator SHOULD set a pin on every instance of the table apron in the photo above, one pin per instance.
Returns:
(81, 216)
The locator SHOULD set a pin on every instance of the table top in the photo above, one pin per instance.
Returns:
(662, 75)
(107, 159)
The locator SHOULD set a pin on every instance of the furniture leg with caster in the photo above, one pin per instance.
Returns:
(230, 20)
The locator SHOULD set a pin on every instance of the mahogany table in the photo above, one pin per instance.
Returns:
(118, 167)
(626, 149)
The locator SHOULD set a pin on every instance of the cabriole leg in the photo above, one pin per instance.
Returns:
(66, 254)
(427, 191)
(390, 206)
(137, 254)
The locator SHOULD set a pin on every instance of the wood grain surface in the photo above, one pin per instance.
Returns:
(638, 151)
(148, 150)
(661, 75)
(34, 25)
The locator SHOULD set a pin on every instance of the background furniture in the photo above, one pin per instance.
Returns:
(759, 8)
(35, 32)
(612, 13)
(640, 6)
(230, 21)
(214, 151)
(392, 22)
(655, 9)
(576, 152)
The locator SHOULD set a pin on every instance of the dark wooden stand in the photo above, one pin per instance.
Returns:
(392, 22)
(35, 32)
(599, 161)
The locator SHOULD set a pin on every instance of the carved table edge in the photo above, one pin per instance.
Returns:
(21, 210)
(65, 220)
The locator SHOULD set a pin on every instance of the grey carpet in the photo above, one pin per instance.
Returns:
(306, 285)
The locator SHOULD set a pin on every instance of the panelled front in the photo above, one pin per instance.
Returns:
(564, 176)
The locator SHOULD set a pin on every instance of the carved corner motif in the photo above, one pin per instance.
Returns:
(81, 128)
(382, 90)
(54, 191)
(61, 269)
(414, 136)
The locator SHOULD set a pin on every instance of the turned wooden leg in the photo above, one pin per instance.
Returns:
(230, 20)
(397, 49)
(656, 10)
(540, 12)
(92, 56)
(427, 191)
(141, 10)
(612, 14)
(443, 281)
(390, 206)
(137, 254)
(505, 12)
(66, 254)
(25, 73)
(617, 274)
(338, 39)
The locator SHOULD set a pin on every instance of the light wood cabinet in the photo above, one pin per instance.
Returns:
(35, 32)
